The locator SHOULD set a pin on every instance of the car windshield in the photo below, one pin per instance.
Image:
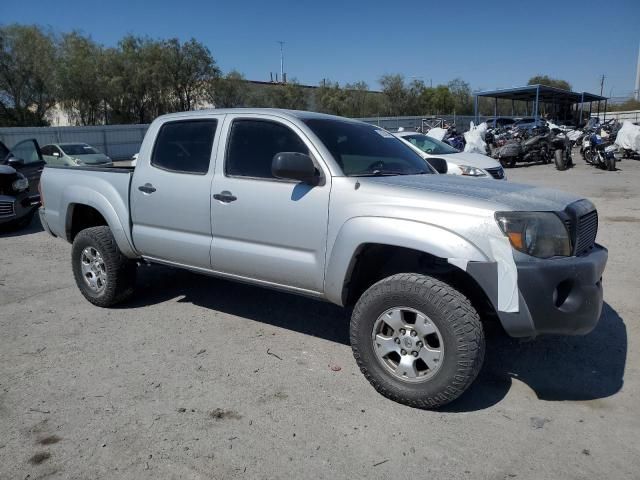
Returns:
(78, 149)
(429, 145)
(365, 150)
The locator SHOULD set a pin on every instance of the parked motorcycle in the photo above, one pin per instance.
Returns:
(537, 147)
(561, 149)
(455, 139)
(599, 152)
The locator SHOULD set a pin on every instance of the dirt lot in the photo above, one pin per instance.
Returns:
(203, 378)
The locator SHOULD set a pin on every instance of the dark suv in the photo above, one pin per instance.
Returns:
(20, 170)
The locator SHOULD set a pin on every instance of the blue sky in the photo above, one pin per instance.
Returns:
(488, 43)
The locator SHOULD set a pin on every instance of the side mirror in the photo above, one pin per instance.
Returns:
(295, 166)
(439, 164)
(14, 161)
(56, 154)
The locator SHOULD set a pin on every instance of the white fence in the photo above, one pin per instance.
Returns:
(631, 115)
(120, 142)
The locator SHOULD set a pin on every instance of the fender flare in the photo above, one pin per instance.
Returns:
(419, 236)
(81, 195)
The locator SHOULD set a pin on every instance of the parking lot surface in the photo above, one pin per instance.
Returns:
(203, 378)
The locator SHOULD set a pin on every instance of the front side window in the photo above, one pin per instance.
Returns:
(47, 150)
(27, 151)
(365, 150)
(254, 143)
(184, 146)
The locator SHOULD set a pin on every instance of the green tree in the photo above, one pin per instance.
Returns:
(630, 104)
(139, 88)
(395, 93)
(442, 101)
(330, 98)
(549, 82)
(289, 95)
(27, 80)
(230, 90)
(82, 79)
(358, 100)
(461, 93)
(190, 67)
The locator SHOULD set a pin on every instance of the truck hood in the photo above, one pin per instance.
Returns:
(503, 195)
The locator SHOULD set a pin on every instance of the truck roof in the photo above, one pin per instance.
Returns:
(296, 114)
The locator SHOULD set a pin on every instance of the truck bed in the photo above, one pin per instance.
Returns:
(104, 188)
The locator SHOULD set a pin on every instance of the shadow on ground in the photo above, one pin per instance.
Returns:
(578, 368)
(14, 231)
(556, 368)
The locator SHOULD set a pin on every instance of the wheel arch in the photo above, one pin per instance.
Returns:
(86, 208)
(381, 242)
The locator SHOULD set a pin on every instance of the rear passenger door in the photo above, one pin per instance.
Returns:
(265, 228)
(170, 193)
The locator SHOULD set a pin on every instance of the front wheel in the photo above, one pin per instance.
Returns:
(104, 276)
(417, 340)
(560, 160)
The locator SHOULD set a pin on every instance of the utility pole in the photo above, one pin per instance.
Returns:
(601, 84)
(281, 60)
(636, 93)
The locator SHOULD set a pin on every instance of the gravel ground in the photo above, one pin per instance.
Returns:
(203, 378)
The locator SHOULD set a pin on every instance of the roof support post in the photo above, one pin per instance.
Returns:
(495, 107)
(513, 108)
(581, 108)
(535, 114)
(605, 110)
(476, 108)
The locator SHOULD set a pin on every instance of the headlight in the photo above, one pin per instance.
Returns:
(22, 183)
(472, 171)
(539, 234)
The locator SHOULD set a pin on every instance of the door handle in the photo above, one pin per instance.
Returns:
(147, 188)
(225, 197)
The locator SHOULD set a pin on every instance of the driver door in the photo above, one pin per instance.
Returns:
(265, 228)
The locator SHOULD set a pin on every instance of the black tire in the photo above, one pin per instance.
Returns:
(560, 160)
(611, 163)
(458, 324)
(120, 271)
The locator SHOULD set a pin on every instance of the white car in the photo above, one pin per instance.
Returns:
(458, 163)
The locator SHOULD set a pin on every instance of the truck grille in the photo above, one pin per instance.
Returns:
(586, 232)
(497, 173)
(6, 209)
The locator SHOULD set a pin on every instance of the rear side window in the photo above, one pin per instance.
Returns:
(254, 143)
(184, 146)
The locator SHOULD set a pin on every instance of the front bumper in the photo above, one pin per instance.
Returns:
(16, 207)
(558, 296)
(43, 221)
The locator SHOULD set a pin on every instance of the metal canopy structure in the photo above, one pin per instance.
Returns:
(538, 94)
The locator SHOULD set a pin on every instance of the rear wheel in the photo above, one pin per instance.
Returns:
(103, 274)
(417, 340)
(610, 163)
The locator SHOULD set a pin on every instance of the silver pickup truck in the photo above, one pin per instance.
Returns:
(345, 212)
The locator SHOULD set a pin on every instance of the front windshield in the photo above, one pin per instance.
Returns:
(78, 149)
(429, 145)
(365, 150)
